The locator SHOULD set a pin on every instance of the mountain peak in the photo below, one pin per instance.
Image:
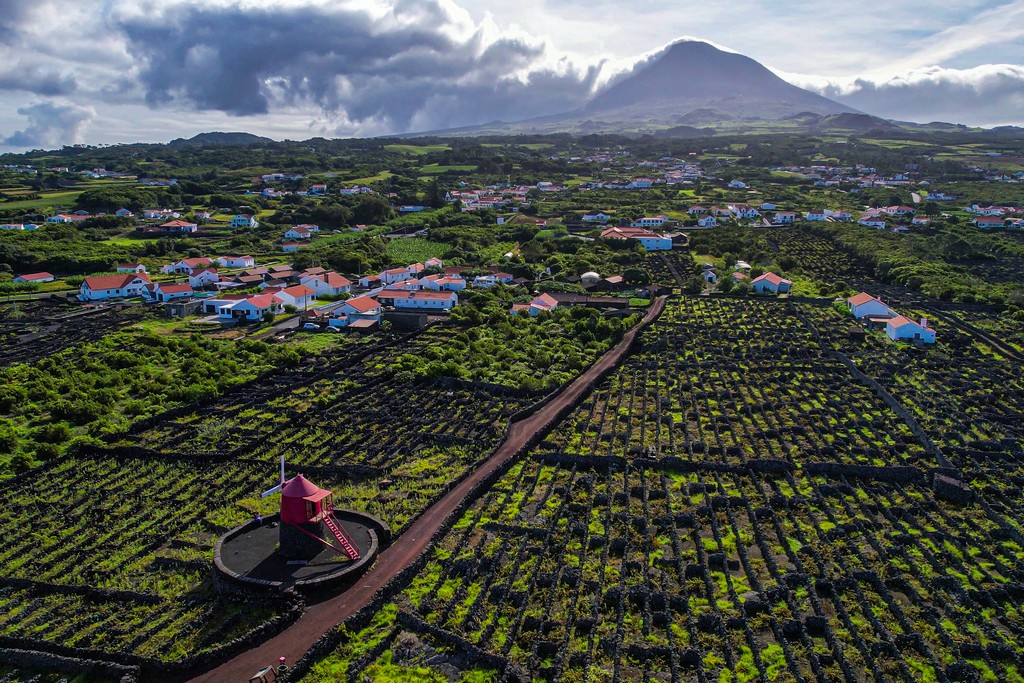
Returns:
(692, 74)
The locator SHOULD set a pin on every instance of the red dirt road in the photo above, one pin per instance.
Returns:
(323, 616)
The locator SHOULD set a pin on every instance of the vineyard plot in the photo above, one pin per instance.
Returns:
(734, 381)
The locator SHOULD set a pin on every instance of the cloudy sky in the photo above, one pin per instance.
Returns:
(109, 71)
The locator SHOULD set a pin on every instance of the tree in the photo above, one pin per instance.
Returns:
(636, 276)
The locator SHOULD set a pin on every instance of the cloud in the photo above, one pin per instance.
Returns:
(989, 95)
(37, 81)
(50, 125)
(420, 64)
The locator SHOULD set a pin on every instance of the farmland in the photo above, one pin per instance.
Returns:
(669, 528)
(759, 488)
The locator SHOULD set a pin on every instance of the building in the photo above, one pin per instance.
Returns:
(904, 329)
(770, 283)
(784, 217)
(707, 222)
(104, 287)
(251, 308)
(649, 222)
(299, 296)
(864, 305)
(298, 233)
(327, 284)
(359, 307)
(201, 277)
(35, 277)
(244, 221)
(186, 265)
(167, 291)
(541, 304)
(419, 299)
(177, 227)
(236, 261)
(651, 241)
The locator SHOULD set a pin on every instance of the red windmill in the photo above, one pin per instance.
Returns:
(308, 522)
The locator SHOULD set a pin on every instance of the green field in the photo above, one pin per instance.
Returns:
(436, 169)
(417, 150)
(415, 250)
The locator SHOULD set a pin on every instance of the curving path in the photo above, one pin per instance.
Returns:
(323, 616)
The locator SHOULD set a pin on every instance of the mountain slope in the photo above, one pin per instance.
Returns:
(691, 83)
(692, 75)
(218, 138)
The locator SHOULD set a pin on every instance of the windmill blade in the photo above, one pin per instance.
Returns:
(270, 492)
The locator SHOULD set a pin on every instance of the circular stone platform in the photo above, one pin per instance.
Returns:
(248, 554)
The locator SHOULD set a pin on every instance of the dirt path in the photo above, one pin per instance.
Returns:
(323, 616)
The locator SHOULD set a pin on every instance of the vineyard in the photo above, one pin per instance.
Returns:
(33, 330)
(108, 552)
(735, 503)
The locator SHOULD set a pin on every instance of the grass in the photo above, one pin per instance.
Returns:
(415, 250)
(50, 199)
(436, 169)
(416, 150)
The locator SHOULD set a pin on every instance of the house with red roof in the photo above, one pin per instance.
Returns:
(901, 328)
(770, 283)
(167, 291)
(299, 296)
(327, 284)
(246, 261)
(256, 307)
(361, 305)
(443, 283)
(403, 299)
(178, 227)
(540, 304)
(864, 305)
(650, 240)
(784, 217)
(990, 221)
(298, 232)
(186, 265)
(35, 277)
(103, 287)
(201, 277)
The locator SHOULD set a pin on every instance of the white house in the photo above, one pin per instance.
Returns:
(131, 268)
(649, 222)
(201, 277)
(167, 291)
(651, 241)
(156, 214)
(327, 284)
(598, 217)
(737, 185)
(770, 283)
(707, 222)
(299, 296)
(744, 211)
(35, 277)
(864, 305)
(697, 210)
(244, 221)
(493, 279)
(542, 303)
(236, 261)
(990, 221)
(904, 329)
(443, 283)
(815, 215)
(784, 217)
(360, 307)
(872, 221)
(103, 287)
(252, 308)
(298, 233)
(186, 265)
(419, 300)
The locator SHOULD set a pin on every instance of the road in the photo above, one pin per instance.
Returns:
(319, 618)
